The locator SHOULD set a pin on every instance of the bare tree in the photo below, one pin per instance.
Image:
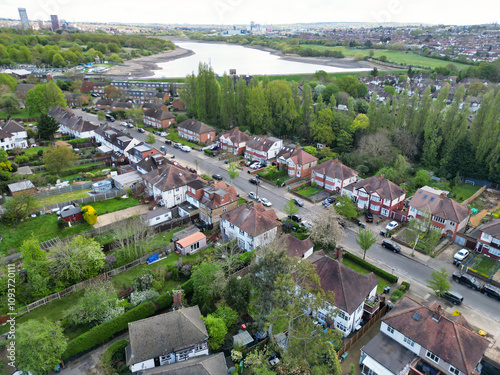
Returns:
(228, 254)
(133, 237)
(326, 230)
(377, 145)
(407, 142)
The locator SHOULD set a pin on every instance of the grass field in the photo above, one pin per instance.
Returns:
(22, 113)
(34, 150)
(115, 204)
(484, 265)
(399, 57)
(174, 137)
(356, 267)
(309, 191)
(64, 197)
(464, 191)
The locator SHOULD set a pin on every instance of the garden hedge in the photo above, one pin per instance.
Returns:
(105, 331)
(117, 348)
(164, 301)
(370, 267)
(187, 287)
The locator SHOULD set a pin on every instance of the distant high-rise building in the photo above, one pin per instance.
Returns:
(25, 23)
(40, 24)
(55, 22)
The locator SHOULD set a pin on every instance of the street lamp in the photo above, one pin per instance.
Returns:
(257, 184)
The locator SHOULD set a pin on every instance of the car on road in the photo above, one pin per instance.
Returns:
(177, 145)
(466, 279)
(295, 218)
(341, 222)
(452, 296)
(460, 256)
(327, 202)
(391, 226)
(168, 141)
(391, 246)
(252, 195)
(254, 181)
(491, 291)
(186, 148)
(265, 202)
(141, 130)
(124, 123)
(110, 118)
(163, 134)
(217, 177)
(298, 202)
(368, 216)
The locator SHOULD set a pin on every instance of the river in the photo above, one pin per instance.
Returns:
(246, 61)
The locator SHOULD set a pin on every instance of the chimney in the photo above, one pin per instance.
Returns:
(177, 294)
(442, 195)
(336, 160)
(339, 253)
(381, 177)
(436, 315)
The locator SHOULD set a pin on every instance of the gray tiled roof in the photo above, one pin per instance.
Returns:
(204, 365)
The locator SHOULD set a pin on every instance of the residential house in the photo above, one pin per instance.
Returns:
(418, 339)
(191, 244)
(297, 248)
(252, 226)
(333, 176)
(198, 131)
(214, 364)
(157, 216)
(114, 140)
(104, 104)
(297, 162)
(141, 151)
(7, 140)
(178, 105)
(158, 118)
(22, 187)
(355, 294)
(262, 148)
(166, 339)
(75, 99)
(127, 181)
(212, 200)
(121, 106)
(150, 163)
(448, 216)
(98, 88)
(377, 194)
(71, 124)
(168, 184)
(18, 131)
(489, 239)
(234, 141)
(22, 89)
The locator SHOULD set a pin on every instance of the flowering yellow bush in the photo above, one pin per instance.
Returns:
(89, 214)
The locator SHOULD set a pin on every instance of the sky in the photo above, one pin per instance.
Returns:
(265, 12)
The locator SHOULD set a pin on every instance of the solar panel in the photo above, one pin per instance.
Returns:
(416, 316)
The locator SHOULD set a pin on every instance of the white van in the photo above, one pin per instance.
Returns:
(185, 148)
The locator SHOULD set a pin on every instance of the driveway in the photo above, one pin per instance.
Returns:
(120, 215)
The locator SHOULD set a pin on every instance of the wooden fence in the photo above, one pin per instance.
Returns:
(474, 196)
(360, 333)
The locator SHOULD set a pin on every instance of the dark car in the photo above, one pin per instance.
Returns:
(391, 246)
(453, 297)
(341, 222)
(368, 217)
(491, 291)
(254, 181)
(141, 130)
(328, 201)
(217, 177)
(298, 202)
(168, 141)
(295, 218)
(466, 279)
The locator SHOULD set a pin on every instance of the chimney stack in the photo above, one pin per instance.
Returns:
(339, 253)
(442, 195)
(177, 295)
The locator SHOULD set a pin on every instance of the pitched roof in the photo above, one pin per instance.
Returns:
(197, 127)
(165, 333)
(438, 204)
(383, 187)
(261, 142)
(4, 134)
(492, 228)
(20, 186)
(169, 177)
(449, 340)
(236, 136)
(159, 114)
(254, 220)
(300, 157)
(12, 126)
(350, 287)
(189, 240)
(295, 247)
(214, 364)
(335, 169)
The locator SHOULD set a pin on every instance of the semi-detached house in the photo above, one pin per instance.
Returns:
(234, 141)
(489, 239)
(261, 148)
(198, 131)
(158, 118)
(298, 163)
(333, 176)
(18, 134)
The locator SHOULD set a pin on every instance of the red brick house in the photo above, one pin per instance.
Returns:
(178, 105)
(297, 162)
(235, 141)
(333, 175)
(194, 130)
(158, 118)
(377, 194)
(489, 239)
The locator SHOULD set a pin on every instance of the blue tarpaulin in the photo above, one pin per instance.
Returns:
(153, 258)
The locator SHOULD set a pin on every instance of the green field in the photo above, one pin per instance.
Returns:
(399, 57)
(115, 204)
(34, 150)
(464, 191)
(309, 191)
(64, 197)
(22, 113)
(174, 137)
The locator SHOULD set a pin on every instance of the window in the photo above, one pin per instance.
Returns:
(341, 327)
(231, 226)
(390, 329)
(224, 208)
(409, 341)
(432, 356)
(454, 371)
(242, 232)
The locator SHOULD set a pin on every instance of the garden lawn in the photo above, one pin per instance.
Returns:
(22, 113)
(309, 191)
(115, 204)
(64, 197)
(484, 265)
(174, 137)
(464, 191)
(42, 227)
(358, 268)
(34, 150)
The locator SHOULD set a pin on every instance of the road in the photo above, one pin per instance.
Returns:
(416, 271)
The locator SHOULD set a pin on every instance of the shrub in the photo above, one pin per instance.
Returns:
(187, 287)
(130, 193)
(209, 152)
(405, 286)
(370, 267)
(164, 301)
(113, 354)
(143, 282)
(105, 331)
(247, 256)
(397, 294)
(21, 159)
(61, 224)
(136, 298)
(40, 153)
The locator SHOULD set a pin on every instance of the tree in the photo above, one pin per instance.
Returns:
(208, 284)
(346, 207)
(18, 207)
(321, 128)
(374, 71)
(44, 97)
(40, 345)
(227, 103)
(326, 230)
(421, 178)
(9, 104)
(8, 80)
(291, 208)
(80, 259)
(233, 171)
(101, 115)
(89, 215)
(366, 238)
(238, 293)
(216, 331)
(150, 138)
(58, 61)
(114, 93)
(241, 101)
(361, 122)
(58, 158)
(136, 114)
(47, 126)
(282, 106)
(307, 112)
(311, 150)
(439, 281)
(257, 111)
(227, 314)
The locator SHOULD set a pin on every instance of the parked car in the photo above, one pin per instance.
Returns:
(391, 246)
(460, 256)
(453, 297)
(124, 123)
(249, 163)
(252, 195)
(217, 177)
(466, 279)
(368, 216)
(391, 226)
(168, 141)
(256, 166)
(341, 222)
(254, 181)
(491, 291)
(163, 134)
(141, 130)
(129, 125)
(298, 202)
(186, 148)
(295, 218)
(110, 118)
(306, 224)
(265, 202)
(178, 145)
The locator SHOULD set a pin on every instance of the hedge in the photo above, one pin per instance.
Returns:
(164, 301)
(78, 141)
(105, 331)
(370, 267)
(209, 152)
(108, 357)
(187, 287)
